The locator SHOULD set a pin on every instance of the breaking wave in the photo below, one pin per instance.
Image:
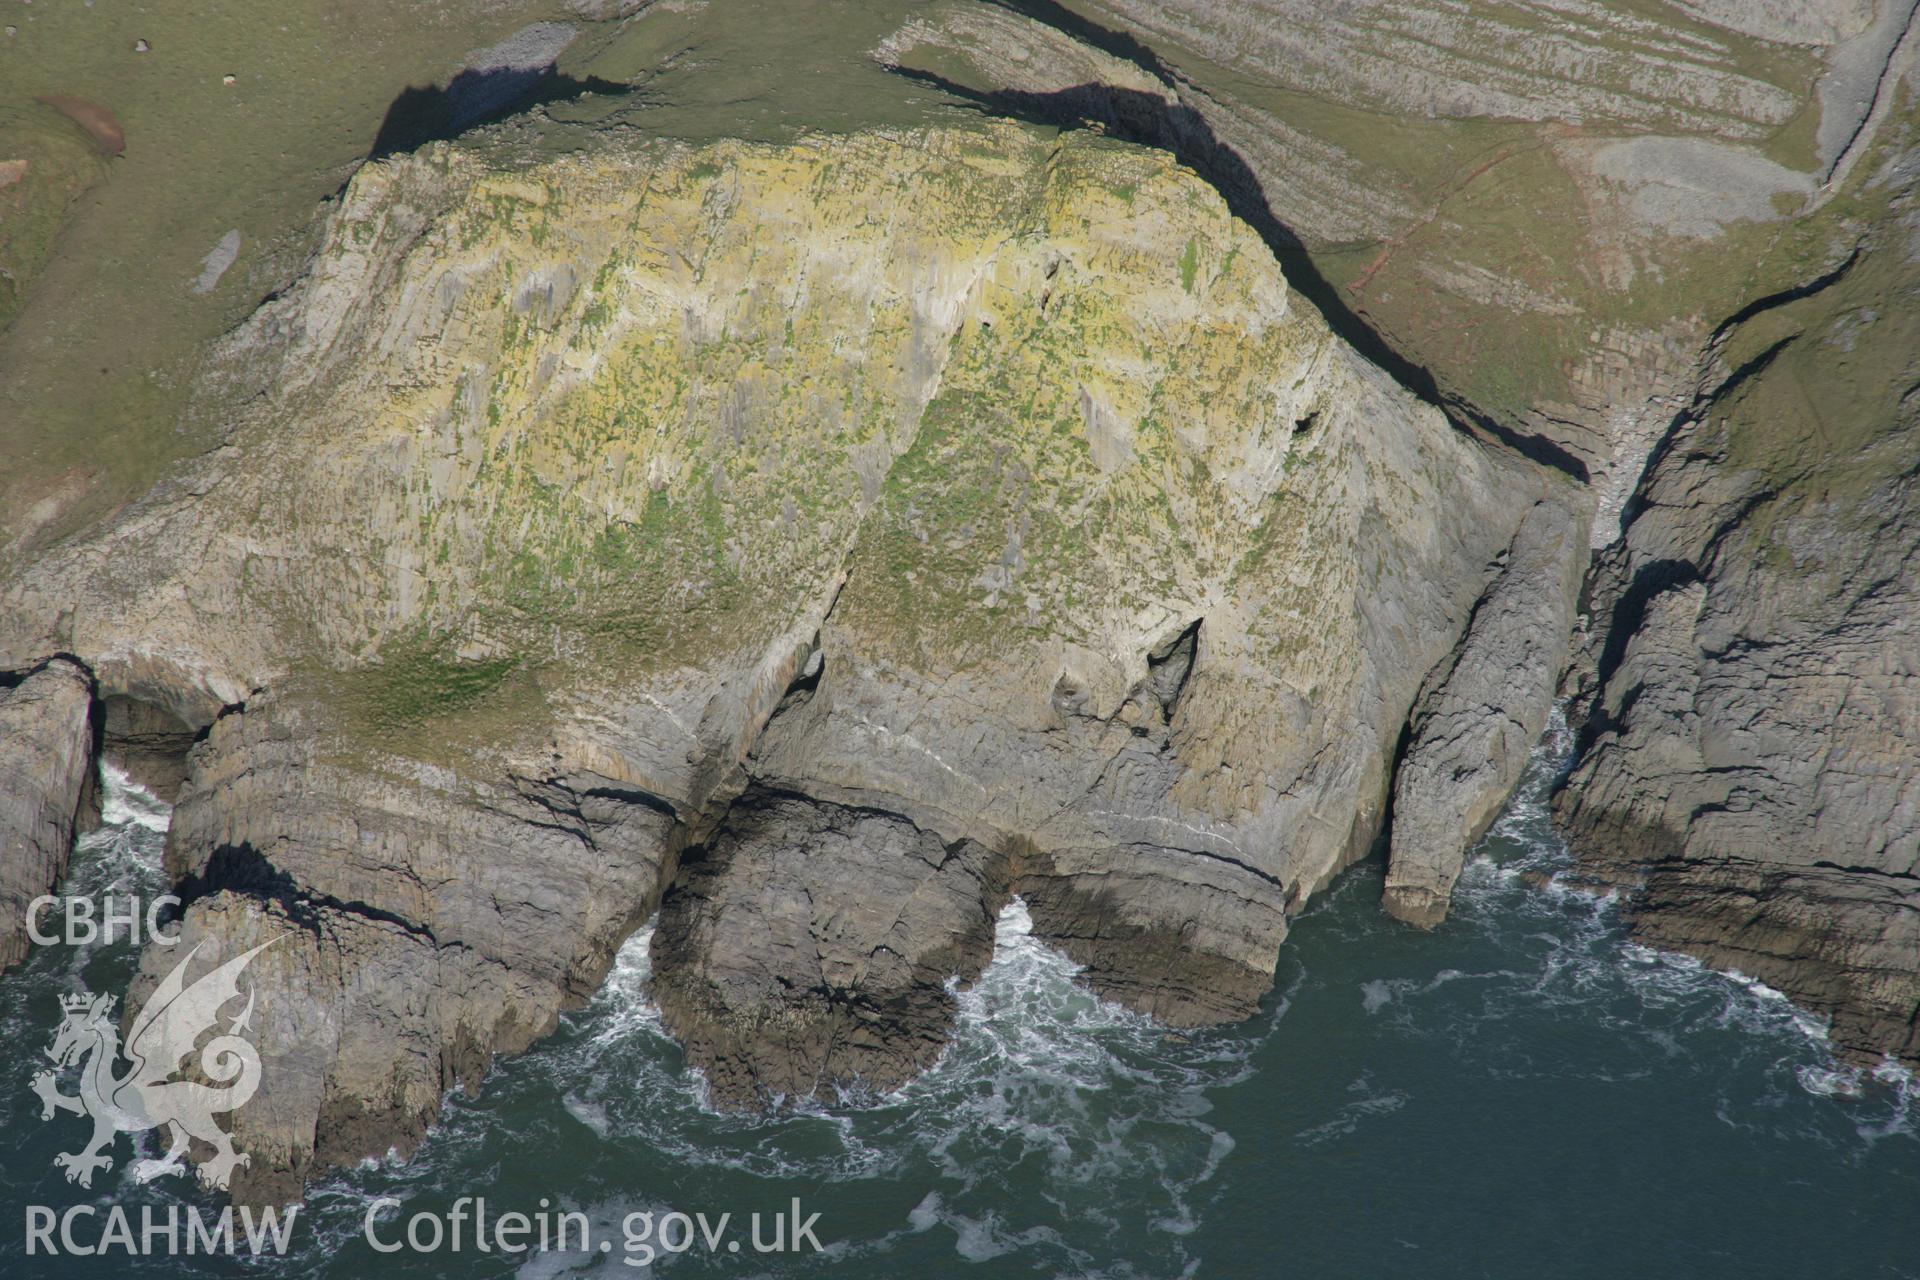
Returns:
(1050, 1114)
(1568, 960)
(1060, 1135)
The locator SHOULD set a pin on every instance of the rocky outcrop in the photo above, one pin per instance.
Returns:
(1493, 59)
(1732, 707)
(809, 946)
(47, 771)
(882, 523)
(427, 921)
(823, 540)
(1481, 713)
(1381, 148)
(1751, 746)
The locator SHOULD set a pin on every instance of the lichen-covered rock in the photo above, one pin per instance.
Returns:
(1385, 151)
(47, 773)
(962, 511)
(1751, 714)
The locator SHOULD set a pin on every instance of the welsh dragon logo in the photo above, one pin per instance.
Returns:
(156, 1091)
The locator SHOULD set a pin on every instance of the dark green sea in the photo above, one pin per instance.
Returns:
(1522, 1094)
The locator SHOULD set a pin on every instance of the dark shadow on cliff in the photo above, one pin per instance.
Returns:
(244, 871)
(1147, 119)
(435, 114)
(1683, 422)
(1114, 43)
(1650, 581)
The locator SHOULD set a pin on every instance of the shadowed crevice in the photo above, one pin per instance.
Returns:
(1650, 581)
(1170, 667)
(1150, 120)
(243, 870)
(472, 98)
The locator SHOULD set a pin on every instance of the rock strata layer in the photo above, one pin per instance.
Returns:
(1749, 754)
(822, 542)
(1383, 149)
(426, 921)
(1751, 740)
(1481, 714)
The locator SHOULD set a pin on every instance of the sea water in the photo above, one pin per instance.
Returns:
(1524, 1093)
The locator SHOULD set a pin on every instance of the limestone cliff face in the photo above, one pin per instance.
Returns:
(428, 919)
(1480, 713)
(1679, 165)
(1750, 756)
(827, 540)
(819, 543)
(47, 788)
(1537, 212)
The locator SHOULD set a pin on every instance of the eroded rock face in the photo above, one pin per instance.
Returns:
(888, 522)
(149, 742)
(426, 919)
(1654, 152)
(1752, 741)
(809, 946)
(47, 787)
(1752, 717)
(1481, 713)
(830, 540)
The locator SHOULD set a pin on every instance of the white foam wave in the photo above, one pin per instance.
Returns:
(607, 1223)
(124, 802)
(1517, 887)
(1042, 1077)
(1367, 1103)
(590, 1114)
(1043, 1084)
(1052, 1111)
(625, 1004)
(126, 850)
(121, 858)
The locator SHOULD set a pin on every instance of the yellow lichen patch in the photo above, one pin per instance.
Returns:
(630, 410)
